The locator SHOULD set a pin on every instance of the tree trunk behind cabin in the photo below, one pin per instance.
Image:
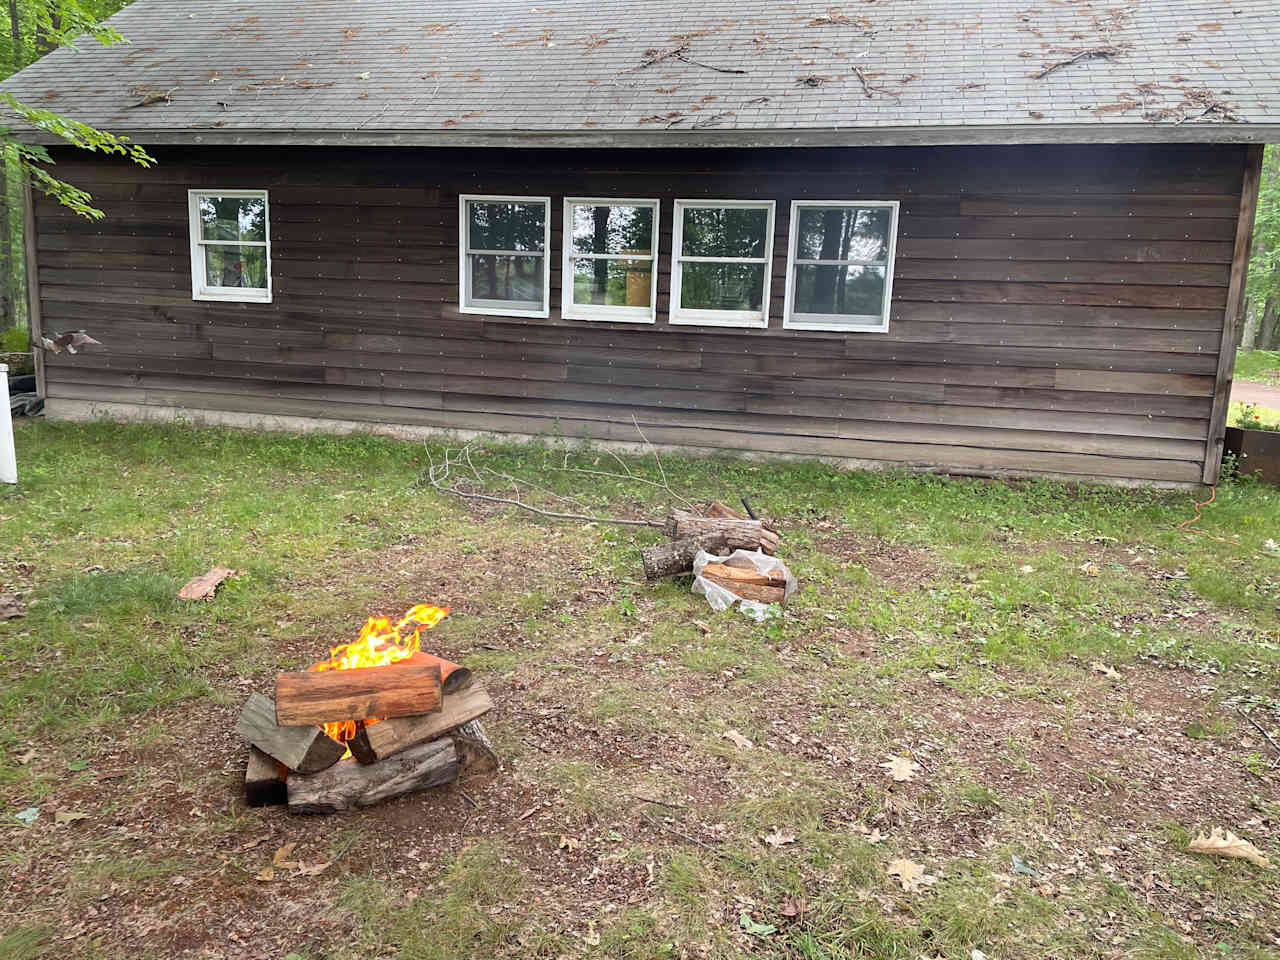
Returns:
(1249, 332)
(45, 43)
(1268, 335)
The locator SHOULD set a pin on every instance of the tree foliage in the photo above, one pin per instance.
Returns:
(37, 27)
(1264, 263)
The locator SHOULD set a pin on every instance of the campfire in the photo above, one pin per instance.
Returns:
(378, 719)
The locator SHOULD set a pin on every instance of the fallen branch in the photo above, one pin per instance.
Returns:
(1263, 730)
(871, 89)
(655, 55)
(1095, 53)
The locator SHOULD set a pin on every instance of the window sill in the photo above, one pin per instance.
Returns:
(261, 296)
(609, 314)
(812, 322)
(744, 319)
(533, 313)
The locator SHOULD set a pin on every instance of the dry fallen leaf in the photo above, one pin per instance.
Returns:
(203, 586)
(61, 817)
(281, 858)
(1226, 844)
(704, 627)
(793, 906)
(910, 875)
(26, 757)
(776, 838)
(265, 874)
(315, 869)
(569, 843)
(1089, 568)
(901, 769)
(1026, 568)
(11, 607)
(1111, 673)
(255, 842)
(739, 741)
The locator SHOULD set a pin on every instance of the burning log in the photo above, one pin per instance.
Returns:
(740, 534)
(454, 678)
(264, 780)
(404, 689)
(350, 784)
(305, 748)
(670, 559)
(377, 741)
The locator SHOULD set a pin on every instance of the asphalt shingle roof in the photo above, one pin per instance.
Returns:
(646, 71)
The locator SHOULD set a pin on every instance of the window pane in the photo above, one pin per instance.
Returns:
(496, 225)
(856, 291)
(233, 218)
(517, 280)
(235, 266)
(724, 232)
(613, 283)
(843, 233)
(612, 229)
(722, 286)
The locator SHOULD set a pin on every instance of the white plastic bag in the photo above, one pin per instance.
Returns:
(720, 598)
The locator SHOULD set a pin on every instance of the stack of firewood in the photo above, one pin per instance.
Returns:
(719, 532)
(405, 726)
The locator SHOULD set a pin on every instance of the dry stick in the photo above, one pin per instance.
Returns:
(1098, 53)
(1263, 730)
(868, 87)
(438, 477)
(691, 839)
(699, 63)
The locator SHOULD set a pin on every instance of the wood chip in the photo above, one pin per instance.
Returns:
(203, 586)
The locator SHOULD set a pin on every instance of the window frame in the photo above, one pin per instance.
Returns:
(465, 254)
(199, 289)
(749, 319)
(815, 321)
(569, 310)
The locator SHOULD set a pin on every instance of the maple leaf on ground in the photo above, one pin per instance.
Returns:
(1226, 844)
(901, 769)
(1111, 673)
(911, 875)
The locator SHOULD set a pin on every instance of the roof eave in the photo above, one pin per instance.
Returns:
(728, 137)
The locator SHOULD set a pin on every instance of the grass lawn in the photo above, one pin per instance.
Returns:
(1068, 672)
(1258, 366)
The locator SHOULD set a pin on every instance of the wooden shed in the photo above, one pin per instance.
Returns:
(930, 234)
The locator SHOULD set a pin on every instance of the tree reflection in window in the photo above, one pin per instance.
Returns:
(840, 264)
(722, 263)
(505, 250)
(609, 260)
(230, 258)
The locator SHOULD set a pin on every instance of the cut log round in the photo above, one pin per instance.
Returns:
(264, 780)
(454, 678)
(304, 748)
(476, 755)
(671, 559)
(349, 785)
(741, 534)
(377, 741)
(403, 689)
(748, 591)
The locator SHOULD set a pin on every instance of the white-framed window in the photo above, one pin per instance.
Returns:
(721, 262)
(503, 264)
(840, 265)
(230, 245)
(610, 260)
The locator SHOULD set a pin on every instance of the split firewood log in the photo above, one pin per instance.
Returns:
(405, 689)
(670, 559)
(377, 741)
(748, 591)
(740, 534)
(351, 784)
(723, 572)
(264, 780)
(476, 755)
(304, 748)
(454, 678)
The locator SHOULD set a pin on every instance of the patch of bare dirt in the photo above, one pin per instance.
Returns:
(895, 564)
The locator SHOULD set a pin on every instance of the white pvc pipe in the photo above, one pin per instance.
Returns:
(8, 458)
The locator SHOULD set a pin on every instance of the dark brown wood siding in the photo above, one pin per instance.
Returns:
(1055, 309)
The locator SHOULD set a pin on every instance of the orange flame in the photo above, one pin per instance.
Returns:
(381, 642)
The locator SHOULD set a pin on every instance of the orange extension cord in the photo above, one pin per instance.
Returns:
(1186, 527)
